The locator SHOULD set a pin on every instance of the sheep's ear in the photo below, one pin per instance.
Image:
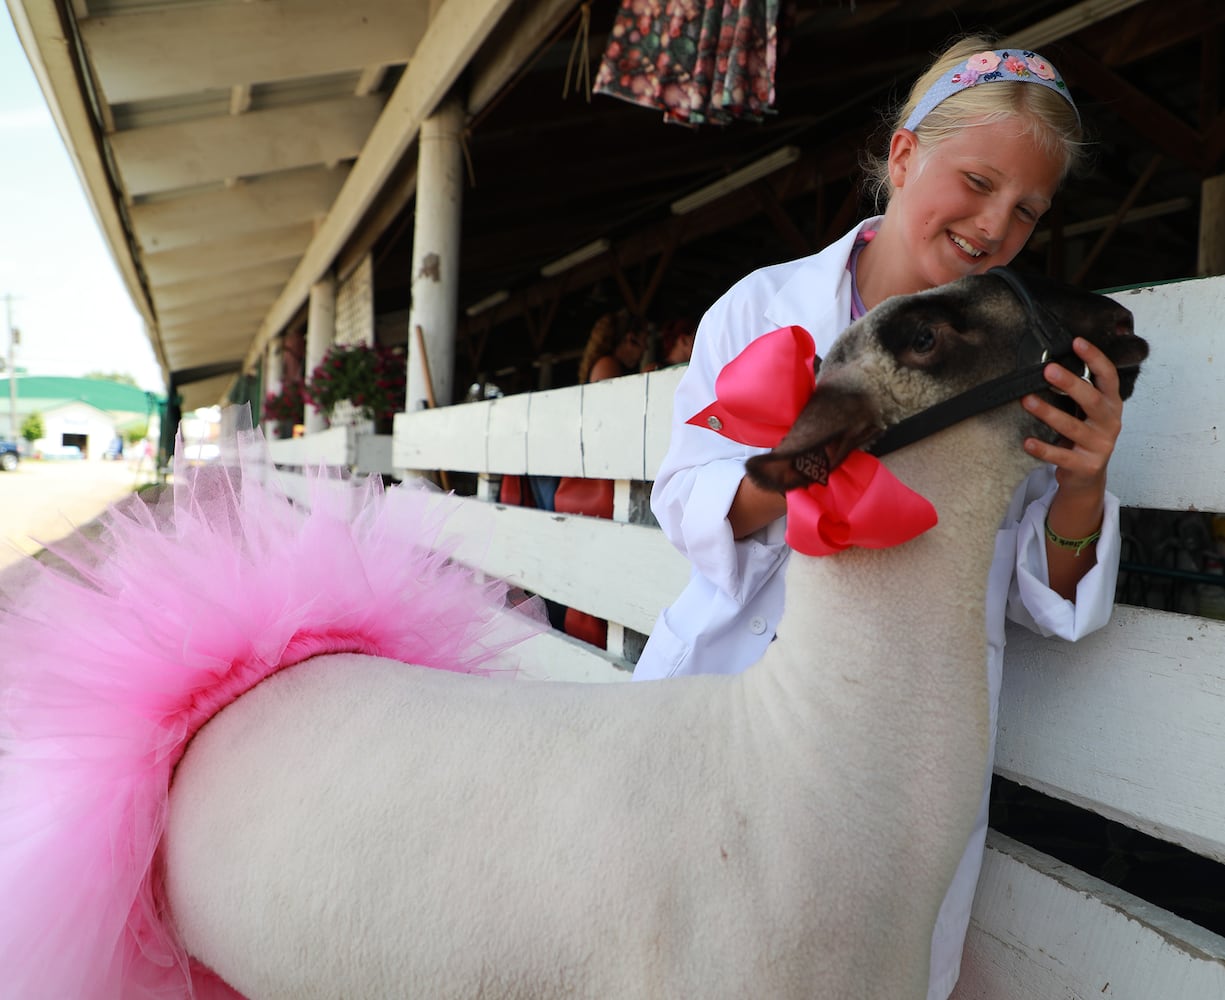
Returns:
(1127, 351)
(829, 428)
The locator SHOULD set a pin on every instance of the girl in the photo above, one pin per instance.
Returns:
(975, 158)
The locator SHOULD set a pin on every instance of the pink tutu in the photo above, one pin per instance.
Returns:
(108, 668)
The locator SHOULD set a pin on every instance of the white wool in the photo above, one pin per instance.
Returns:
(356, 827)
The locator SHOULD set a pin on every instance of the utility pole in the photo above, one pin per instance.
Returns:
(11, 364)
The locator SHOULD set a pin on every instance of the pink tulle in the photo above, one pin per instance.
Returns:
(108, 668)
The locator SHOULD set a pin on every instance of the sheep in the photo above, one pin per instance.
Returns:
(357, 825)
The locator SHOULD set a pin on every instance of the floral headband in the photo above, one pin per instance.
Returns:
(992, 66)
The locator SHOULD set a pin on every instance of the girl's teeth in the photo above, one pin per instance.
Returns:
(965, 246)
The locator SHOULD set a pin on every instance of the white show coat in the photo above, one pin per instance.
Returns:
(730, 609)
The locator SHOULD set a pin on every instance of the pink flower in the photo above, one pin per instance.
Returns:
(1016, 66)
(1041, 67)
(984, 62)
(967, 77)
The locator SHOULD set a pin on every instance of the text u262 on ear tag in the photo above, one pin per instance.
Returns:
(812, 465)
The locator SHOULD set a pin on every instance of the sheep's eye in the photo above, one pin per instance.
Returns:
(923, 342)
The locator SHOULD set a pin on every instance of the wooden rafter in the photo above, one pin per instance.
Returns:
(1148, 117)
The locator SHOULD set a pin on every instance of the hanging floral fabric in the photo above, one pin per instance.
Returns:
(697, 60)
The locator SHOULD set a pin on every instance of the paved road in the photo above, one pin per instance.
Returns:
(41, 502)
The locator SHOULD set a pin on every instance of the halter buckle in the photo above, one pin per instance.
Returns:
(1085, 376)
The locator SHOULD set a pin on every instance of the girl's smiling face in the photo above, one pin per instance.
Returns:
(970, 202)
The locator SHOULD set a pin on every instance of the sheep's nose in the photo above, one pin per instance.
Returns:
(1124, 323)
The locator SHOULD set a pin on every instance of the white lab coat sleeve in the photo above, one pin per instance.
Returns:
(702, 470)
(1031, 602)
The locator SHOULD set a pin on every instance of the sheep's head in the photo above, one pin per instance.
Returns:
(915, 351)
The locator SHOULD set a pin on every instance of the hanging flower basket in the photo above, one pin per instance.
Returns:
(288, 405)
(371, 378)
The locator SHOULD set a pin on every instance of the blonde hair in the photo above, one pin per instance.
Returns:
(605, 335)
(1046, 115)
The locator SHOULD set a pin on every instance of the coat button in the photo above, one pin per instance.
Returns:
(757, 625)
(714, 423)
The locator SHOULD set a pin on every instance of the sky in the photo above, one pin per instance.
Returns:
(68, 300)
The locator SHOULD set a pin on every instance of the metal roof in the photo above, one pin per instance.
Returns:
(99, 393)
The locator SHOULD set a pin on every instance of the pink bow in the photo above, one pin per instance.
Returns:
(758, 396)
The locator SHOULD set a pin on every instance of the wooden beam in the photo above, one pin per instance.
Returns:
(540, 322)
(193, 263)
(202, 328)
(370, 80)
(1041, 928)
(167, 51)
(1151, 29)
(454, 34)
(1055, 228)
(397, 193)
(204, 393)
(171, 295)
(263, 203)
(628, 295)
(240, 98)
(1136, 190)
(783, 224)
(255, 298)
(208, 150)
(1165, 131)
(1072, 19)
(848, 209)
(661, 268)
(524, 30)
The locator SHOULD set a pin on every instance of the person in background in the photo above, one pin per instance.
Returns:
(676, 342)
(975, 158)
(615, 347)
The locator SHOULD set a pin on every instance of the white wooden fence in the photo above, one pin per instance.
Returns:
(1128, 723)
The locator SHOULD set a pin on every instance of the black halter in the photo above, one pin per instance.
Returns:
(1045, 340)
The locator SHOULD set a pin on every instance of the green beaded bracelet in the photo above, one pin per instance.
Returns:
(1077, 545)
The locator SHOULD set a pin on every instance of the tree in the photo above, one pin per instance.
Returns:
(32, 427)
(135, 432)
(123, 378)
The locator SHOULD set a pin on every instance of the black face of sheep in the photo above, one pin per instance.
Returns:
(913, 352)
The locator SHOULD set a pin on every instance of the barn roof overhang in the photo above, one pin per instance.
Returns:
(235, 152)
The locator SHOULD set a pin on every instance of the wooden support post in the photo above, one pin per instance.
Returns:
(1212, 227)
(661, 268)
(787, 230)
(320, 333)
(274, 381)
(428, 379)
(435, 277)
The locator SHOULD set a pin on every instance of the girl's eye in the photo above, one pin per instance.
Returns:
(978, 182)
(1028, 214)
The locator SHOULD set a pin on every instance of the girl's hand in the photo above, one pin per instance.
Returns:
(1081, 457)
